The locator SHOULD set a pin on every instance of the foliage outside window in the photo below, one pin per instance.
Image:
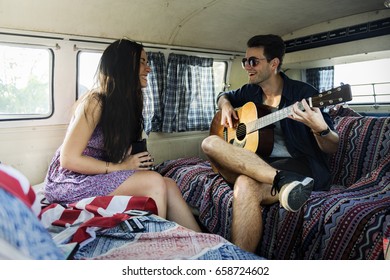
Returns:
(25, 82)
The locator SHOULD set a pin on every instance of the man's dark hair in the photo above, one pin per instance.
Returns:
(273, 46)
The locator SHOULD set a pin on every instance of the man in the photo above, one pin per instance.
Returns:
(298, 161)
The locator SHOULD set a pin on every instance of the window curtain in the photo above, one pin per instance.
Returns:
(321, 78)
(153, 93)
(189, 96)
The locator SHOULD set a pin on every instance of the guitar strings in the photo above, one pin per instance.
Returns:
(241, 131)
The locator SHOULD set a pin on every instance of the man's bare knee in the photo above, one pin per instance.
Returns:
(245, 188)
(209, 144)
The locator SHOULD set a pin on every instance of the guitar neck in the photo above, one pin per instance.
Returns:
(330, 97)
(272, 118)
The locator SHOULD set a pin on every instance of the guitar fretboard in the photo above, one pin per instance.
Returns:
(270, 118)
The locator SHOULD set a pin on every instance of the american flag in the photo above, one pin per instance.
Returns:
(14, 182)
(91, 214)
(84, 217)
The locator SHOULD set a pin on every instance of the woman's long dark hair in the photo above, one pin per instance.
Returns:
(121, 97)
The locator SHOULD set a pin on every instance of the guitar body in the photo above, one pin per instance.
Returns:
(260, 141)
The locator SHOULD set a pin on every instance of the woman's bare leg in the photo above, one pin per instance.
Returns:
(178, 209)
(164, 192)
(146, 183)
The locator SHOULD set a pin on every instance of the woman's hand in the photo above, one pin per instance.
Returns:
(140, 161)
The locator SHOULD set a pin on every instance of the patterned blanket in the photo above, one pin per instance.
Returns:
(161, 240)
(352, 221)
(107, 227)
(102, 227)
(204, 191)
(22, 236)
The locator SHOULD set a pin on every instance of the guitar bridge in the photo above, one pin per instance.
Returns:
(238, 144)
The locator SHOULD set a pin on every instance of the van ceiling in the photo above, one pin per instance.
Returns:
(210, 24)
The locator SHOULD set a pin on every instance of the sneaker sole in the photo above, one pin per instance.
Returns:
(295, 194)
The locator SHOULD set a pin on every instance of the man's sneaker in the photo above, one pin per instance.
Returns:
(294, 189)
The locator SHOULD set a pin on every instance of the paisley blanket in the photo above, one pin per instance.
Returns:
(161, 240)
(108, 228)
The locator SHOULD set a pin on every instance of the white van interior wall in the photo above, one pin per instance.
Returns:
(30, 149)
(164, 146)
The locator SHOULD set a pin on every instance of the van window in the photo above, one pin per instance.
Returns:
(220, 71)
(87, 64)
(369, 80)
(25, 82)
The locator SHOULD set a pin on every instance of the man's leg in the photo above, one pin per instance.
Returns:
(291, 188)
(247, 222)
(232, 161)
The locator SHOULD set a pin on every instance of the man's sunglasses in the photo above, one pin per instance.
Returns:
(251, 61)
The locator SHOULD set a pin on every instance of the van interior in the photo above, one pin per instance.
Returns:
(50, 49)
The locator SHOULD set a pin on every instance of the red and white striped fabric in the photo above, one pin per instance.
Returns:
(94, 213)
(14, 182)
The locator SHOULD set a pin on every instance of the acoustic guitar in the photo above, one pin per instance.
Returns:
(254, 130)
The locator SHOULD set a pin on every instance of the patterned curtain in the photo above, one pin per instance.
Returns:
(153, 93)
(321, 78)
(189, 96)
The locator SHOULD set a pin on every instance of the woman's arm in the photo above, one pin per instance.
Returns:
(80, 130)
(84, 122)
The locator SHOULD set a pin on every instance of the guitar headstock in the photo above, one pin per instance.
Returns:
(333, 96)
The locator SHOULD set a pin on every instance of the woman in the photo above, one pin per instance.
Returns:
(95, 158)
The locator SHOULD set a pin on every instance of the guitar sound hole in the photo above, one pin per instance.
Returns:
(241, 131)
